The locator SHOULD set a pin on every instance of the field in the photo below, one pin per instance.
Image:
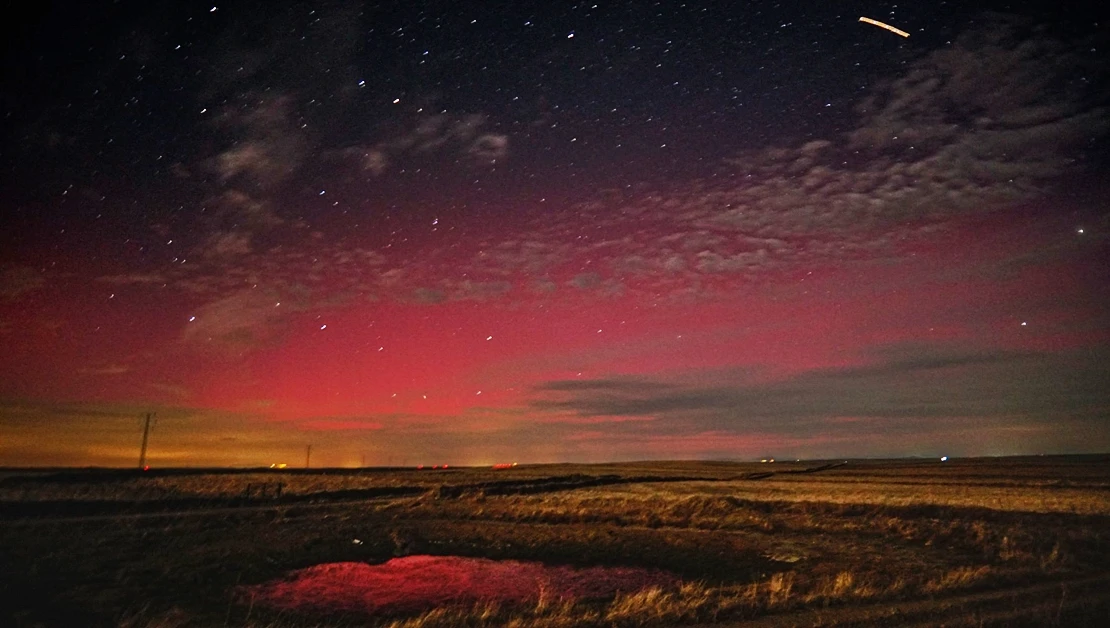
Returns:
(979, 542)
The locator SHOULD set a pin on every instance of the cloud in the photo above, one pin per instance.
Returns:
(904, 383)
(428, 295)
(343, 424)
(586, 281)
(15, 281)
(243, 321)
(609, 386)
(107, 370)
(176, 392)
(957, 134)
(134, 279)
(467, 290)
(489, 148)
(266, 147)
(227, 244)
(991, 120)
(427, 136)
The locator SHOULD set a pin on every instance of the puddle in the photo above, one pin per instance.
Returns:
(418, 583)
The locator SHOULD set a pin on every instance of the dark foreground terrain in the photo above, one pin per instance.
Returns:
(1015, 542)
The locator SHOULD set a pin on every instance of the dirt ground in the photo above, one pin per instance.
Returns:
(1010, 541)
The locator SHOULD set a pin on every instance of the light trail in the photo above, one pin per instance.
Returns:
(886, 26)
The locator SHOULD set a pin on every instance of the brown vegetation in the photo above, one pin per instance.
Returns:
(1000, 542)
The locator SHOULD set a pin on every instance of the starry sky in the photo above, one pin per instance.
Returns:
(479, 232)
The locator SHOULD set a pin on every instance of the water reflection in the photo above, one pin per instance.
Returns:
(415, 583)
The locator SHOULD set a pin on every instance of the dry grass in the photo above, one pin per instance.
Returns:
(1011, 496)
(958, 578)
(867, 535)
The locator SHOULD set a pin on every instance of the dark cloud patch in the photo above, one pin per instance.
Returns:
(606, 386)
(242, 321)
(959, 132)
(134, 279)
(425, 140)
(586, 281)
(906, 384)
(15, 281)
(997, 118)
(281, 45)
(429, 295)
(468, 290)
(909, 359)
(265, 144)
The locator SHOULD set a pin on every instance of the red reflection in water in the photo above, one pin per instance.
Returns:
(416, 583)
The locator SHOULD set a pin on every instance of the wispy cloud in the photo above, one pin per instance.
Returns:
(244, 320)
(972, 127)
(106, 370)
(903, 383)
(15, 281)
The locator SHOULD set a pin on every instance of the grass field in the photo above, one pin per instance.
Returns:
(1011, 541)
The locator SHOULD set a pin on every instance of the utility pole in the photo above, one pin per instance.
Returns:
(146, 437)
(307, 455)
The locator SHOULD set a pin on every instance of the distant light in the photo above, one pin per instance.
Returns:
(1024, 324)
(213, 9)
(192, 318)
(323, 326)
(944, 458)
(396, 100)
(489, 337)
(146, 468)
(1079, 231)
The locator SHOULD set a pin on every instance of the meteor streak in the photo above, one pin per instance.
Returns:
(886, 26)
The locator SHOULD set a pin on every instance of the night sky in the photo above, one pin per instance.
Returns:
(479, 232)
